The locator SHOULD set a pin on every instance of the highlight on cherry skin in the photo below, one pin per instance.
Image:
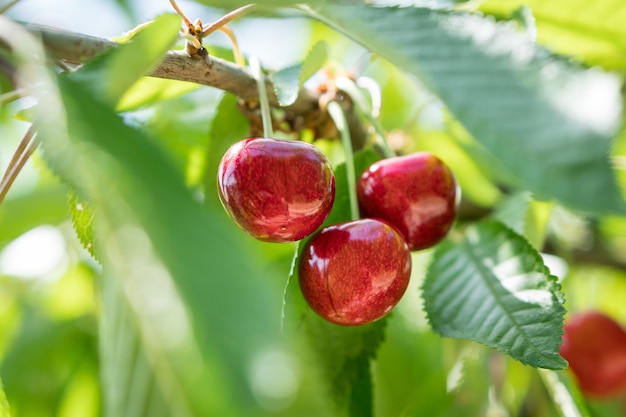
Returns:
(355, 272)
(416, 193)
(594, 344)
(276, 190)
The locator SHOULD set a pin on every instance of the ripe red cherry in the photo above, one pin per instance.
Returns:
(276, 190)
(355, 272)
(595, 347)
(415, 193)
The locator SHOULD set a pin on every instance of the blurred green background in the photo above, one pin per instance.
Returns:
(51, 288)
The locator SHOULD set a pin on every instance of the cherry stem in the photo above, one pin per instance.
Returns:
(180, 13)
(24, 150)
(373, 88)
(352, 89)
(336, 113)
(239, 59)
(266, 115)
(227, 18)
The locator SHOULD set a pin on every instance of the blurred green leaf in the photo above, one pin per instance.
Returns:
(149, 90)
(513, 211)
(43, 358)
(289, 80)
(568, 399)
(493, 288)
(591, 31)
(162, 245)
(228, 126)
(112, 73)
(344, 354)
(531, 110)
(5, 410)
(132, 389)
(527, 217)
(44, 205)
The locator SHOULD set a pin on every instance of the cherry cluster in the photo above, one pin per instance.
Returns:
(354, 272)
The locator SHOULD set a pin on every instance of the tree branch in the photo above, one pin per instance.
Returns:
(201, 69)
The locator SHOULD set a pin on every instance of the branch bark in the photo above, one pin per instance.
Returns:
(205, 70)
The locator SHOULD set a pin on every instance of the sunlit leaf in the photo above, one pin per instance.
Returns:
(493, 288)
(149, 90)
(548, 122)
(590, 31)
(112, 73)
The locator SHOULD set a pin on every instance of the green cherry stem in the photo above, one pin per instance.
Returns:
(350, 88)
(336, 113)
(266, 115)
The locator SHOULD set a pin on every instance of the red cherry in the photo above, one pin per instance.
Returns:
(355, 272)
(415, 193)
(276, 190)
(595, 347)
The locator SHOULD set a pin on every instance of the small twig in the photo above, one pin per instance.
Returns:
(227, 18)
(25, 149)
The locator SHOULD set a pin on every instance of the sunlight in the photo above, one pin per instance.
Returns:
(38, 253)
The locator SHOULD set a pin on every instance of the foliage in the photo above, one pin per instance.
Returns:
(173, 311)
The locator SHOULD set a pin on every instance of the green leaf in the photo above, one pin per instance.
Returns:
(493, 288)
(44, 205)
(513, 211)
(5, 410)
(150, 90)
(130, 386)
(525, 216)
(228, 126)
(537, 114)
(82, 212)
(344, 353)
(585, 30)
(163, 246)
(289, 80)
(112, 73)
